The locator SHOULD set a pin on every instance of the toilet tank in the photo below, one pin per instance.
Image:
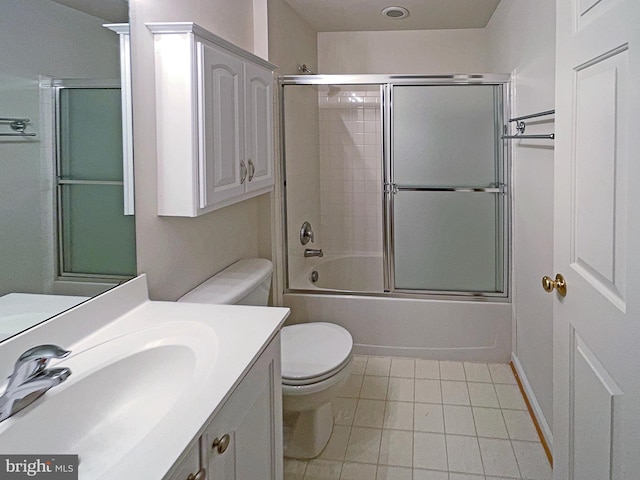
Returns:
(246, 282)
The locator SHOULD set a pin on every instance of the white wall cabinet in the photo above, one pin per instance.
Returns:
(214, 121)
(243, 441)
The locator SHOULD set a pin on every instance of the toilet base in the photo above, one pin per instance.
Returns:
(307, 433)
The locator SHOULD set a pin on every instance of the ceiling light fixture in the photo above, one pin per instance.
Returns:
(395, 12)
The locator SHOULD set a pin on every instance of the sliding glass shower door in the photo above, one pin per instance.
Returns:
(445, 185)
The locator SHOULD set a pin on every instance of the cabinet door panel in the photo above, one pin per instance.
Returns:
(187, 466)
(259, 126)
(252, 417)
(221, 126)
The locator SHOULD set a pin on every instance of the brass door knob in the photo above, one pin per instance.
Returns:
(559, 284)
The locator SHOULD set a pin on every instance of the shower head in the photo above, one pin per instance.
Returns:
(304, 69)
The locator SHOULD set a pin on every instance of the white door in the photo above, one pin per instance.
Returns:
(596, 418)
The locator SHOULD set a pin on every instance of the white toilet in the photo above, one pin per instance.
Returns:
(316, 357)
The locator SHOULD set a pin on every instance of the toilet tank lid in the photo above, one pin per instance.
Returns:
(232, 283)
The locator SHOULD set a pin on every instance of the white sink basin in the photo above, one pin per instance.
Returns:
(118, 393)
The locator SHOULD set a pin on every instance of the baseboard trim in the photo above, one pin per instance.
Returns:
(542, 427)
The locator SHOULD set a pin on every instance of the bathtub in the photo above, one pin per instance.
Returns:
(383, 324)
(347, 273)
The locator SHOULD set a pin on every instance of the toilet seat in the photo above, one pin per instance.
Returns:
(314, 352)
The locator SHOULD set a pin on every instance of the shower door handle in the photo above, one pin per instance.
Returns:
(390, 188)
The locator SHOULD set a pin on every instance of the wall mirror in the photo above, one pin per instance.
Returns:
(66, 203)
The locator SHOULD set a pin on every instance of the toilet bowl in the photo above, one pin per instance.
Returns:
(316, 357)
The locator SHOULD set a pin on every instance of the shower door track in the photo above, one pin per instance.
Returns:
(386, 82)
(365, 79)
(392, 187)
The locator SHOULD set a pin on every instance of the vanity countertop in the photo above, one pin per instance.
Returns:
(209, 348)
(19, 311)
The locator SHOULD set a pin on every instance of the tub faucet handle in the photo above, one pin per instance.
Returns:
(306, 233)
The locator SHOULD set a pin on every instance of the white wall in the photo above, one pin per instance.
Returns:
(39, 37)
(302, 170)
(292, 42)
(406, 51)
(521, 38)
(179, 253)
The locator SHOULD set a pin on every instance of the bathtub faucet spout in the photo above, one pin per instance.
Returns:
(313, 252)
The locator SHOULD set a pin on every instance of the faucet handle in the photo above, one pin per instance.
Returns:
(306, 233)
(43, 352)
(34, 360)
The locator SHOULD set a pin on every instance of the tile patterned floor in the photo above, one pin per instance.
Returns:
(406, 419)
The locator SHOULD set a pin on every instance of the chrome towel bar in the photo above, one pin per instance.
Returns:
(533, 115)
(550, 136)
(521, 126)
(18, 125)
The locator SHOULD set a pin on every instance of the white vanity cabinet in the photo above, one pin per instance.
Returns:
(243, 441)
(214, 115)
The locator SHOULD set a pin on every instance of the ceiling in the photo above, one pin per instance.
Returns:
(364, 15)
(114, 11)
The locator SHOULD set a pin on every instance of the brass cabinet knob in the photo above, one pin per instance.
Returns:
(221, 444)
(199, 475)
(559, 284)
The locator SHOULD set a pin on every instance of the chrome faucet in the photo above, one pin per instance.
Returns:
(30, 378)
(313, 252)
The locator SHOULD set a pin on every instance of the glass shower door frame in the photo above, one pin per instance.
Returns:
(60, 181)
(503, 224)
(386, 83)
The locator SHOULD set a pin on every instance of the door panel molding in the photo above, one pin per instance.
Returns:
(599, 164)
(594, 404)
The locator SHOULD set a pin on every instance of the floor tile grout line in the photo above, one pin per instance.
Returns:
(353, 419)
(473, 416)
(510, 440)
(444, 426)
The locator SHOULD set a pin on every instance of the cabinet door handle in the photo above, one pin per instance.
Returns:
(199, 475)
(243, 172)
(252, 170)
(221, 444)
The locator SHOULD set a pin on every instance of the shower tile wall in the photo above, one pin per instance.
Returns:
(302, 171)
(350, 170)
